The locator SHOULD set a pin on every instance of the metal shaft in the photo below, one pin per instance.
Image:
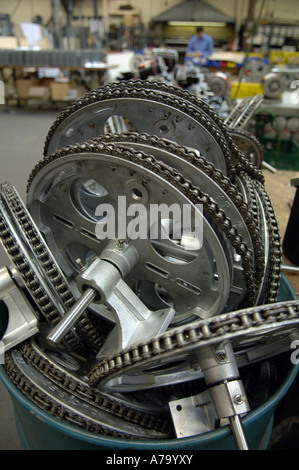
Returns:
(238, 432)
(290, 269)
(269, 167)
(68, 321)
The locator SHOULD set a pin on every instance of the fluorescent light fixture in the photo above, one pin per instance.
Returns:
(196, 23)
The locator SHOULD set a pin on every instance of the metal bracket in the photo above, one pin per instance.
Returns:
(102, 283)
(22, 319)
(133, 319)
(193, 415)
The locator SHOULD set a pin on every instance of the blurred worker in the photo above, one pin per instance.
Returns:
(200, 47)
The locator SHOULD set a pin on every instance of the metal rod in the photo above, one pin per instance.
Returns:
(68, 321)
(238, 432)
(269, 167)
(290, 269)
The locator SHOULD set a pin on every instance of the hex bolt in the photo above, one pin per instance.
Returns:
(221, 356)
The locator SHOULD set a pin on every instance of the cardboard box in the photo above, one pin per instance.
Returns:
(8, 42)
(39, 92)
(128, 20)
(22, 87)
(59, 91)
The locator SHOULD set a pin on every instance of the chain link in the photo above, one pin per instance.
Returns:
(198, 335)
(53, 407)
(210, 170)
(51, 271)
(195, 195)
(92, 396)
(171, 96)
(245, 141)
(199, 110)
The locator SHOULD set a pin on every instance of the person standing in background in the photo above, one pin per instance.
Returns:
(200, 47)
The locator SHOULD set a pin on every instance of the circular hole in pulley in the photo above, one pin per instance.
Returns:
(4, 318)
(136, 194)
(164, 129)
(79, 255)
(174, 243)
(153, 294)
(164, 295)
(117, 124)
(91, 199)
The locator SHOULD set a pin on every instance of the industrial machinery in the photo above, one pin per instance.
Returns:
(202, 82)
(163, 65)
(118, 321)
(275, 80)
(159, 61)
(278, 80)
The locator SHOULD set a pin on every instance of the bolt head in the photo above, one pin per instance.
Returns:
(239, 399)
(221, 356)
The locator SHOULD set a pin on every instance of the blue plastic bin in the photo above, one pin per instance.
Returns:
(40, 431)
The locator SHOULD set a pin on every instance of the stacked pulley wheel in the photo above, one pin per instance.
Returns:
(133, 310)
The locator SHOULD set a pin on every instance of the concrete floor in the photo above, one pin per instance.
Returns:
(282, 194)
(22, 136)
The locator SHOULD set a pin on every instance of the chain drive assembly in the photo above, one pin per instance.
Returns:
(128, 324)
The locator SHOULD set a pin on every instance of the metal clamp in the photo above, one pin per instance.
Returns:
(22, 319)
(227, 392)
(102, 282)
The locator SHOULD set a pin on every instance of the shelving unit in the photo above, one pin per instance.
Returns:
(273, 35)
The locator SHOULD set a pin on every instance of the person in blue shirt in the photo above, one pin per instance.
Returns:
(200, 47)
